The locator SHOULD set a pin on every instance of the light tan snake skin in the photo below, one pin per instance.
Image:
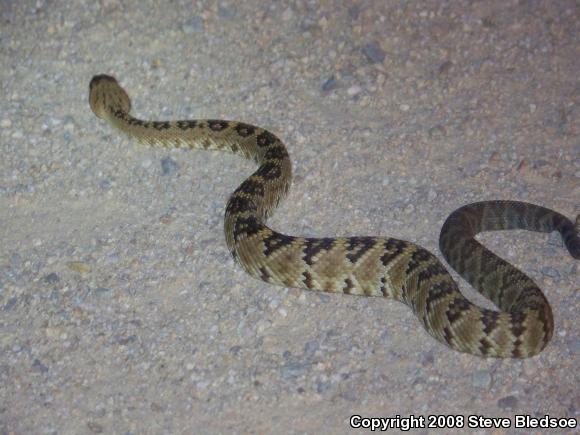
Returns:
(369, 266)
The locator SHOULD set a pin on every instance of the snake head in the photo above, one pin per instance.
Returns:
(105, 92)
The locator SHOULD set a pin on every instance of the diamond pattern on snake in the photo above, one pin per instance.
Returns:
(368, 266)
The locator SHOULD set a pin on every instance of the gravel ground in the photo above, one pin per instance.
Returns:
(121, 310)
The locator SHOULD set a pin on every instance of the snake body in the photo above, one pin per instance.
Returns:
(369, 266)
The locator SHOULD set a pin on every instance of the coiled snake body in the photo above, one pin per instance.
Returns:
(369, 266)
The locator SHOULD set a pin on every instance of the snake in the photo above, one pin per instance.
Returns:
(520, 327)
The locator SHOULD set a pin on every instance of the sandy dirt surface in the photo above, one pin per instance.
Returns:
(121, 310)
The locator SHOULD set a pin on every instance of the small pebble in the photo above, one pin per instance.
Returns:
(574, 346)
(226, 12)
(329, 84)
(427, 358)
(194, 24)
(38, 366)
(262, 325)
(550, 271)
(349, 395)
(481, 379)
(101, 290)
(287, 14)
(322, 387)
(104, 184)
(437, 132)
(555, 239)
(354, 11)
(51, 278)
(168, 166)
(354, 90)
(373, 52)
(78, 266)
(431, 195)
(10, 303)
(386, 337)
(294, 370)
(311, 346)
(235, 350)
(445, 67)
(95, 427)
(508, 403)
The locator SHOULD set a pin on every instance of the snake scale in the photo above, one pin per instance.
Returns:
(369, 266)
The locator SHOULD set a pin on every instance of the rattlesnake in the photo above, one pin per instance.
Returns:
(369, 266)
